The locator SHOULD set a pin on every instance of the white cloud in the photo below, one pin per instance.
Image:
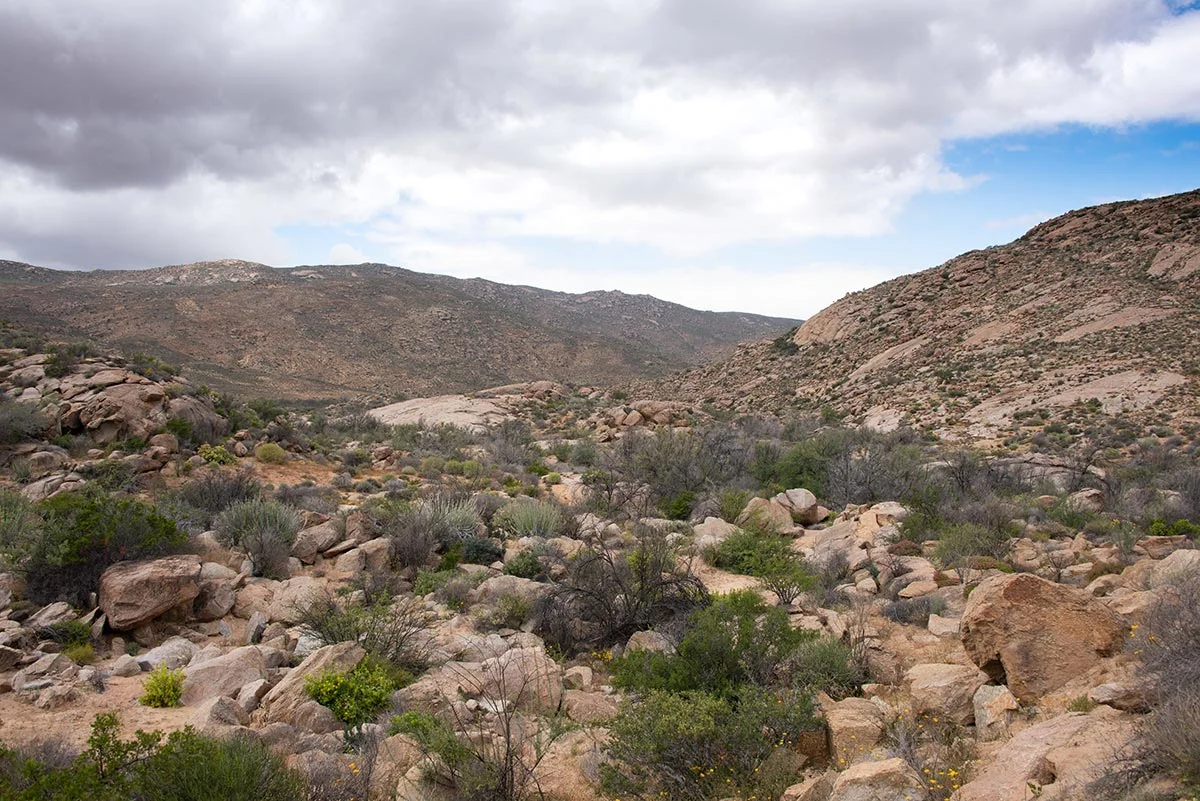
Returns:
(455, 133)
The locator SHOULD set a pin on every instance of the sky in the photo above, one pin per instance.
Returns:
(766, 156)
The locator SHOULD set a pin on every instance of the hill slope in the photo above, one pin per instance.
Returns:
(1101, 303)
(313, 332)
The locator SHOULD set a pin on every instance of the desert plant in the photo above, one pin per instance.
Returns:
(18, 526)
(270, 453)
(162, 687)
(19, 420)
(526, 564)
(388, 628)
(960, 543)
(750, 551)
(190, 766)
(216, 455)
(264, 529)
(82, 534)
(482, 551)
(355, 697)
(528, 518)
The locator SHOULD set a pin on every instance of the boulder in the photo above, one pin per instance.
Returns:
(943, 626)
(945, 691)
(855, 727)
(994, 709)
(49, 615)
(889, 780)
(313, 540)
(132, 593)
(217, 714)
(769, 514)
(125, 666)
(525, 677)
(801, 505)
(1126, 697)
(286, 697)
(223, 675)
(174, 652)
(586, 707)
(711, 533)
(292, 596)
(652, 641)
(814, 788)
(1034, 635)
(214, 601)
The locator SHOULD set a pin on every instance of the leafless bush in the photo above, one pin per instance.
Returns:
(386, 627)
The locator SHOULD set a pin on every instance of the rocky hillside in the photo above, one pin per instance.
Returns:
(1101, 303)
(321, 332)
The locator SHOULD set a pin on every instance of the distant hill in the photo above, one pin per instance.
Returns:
(369, 330)
(1099, 307)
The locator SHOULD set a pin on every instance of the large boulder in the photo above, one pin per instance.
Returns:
(802, 505)
(315, 539)
(945, 691)
(769, 514)
(524, 677)
(712, 532)
(889, 780)
(855, 727)
(132, 593)
(1034, 635)
(223, 675)
(286, 697)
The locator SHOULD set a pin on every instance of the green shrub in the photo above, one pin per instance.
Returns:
(825, 664)
(697, 747)
(152, 367)
(387, 628)
(111, 475)
(736, 641)
(19, 420)
(69, 633)
(511, 612)
(481, 551)
(960, 543)
(197, 502)
(679, 506)
(194, 767)
(216, 454)
(264, 529)
(19, 525)
(526, 565)
(522, 518)
(270, 453)
(162, 687)
(82, 534)
(63, 358)
(432, 581)
(434, 735)
(356, 697)
(552, 478)
(1159, 527)
(730, 504)
(751, 552)
(81, 654)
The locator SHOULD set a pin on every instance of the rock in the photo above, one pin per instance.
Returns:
(889, 780)
(497, 587)
(351, 564)
(223, 675)
(132, 593)
(286, 697)
(919, 588)
(310, 716)
(9, 657)
(254, 597)
(711, 533)
(214, 601)
(174, 653)
(313, 540)
(652, 641)
(218, 713)
(394, 757)
(1126, 697)
(943, 626)
(249, 696)
(117, 412)
(994, 708)
(586, 707)
(814, 788)
(526, 677)
(1179, 565)
(293, 595)
(377, 552)
(855, 727)
(801, 505)
(255, 627)
(577, 677)
(49, 615)
(125, 666)
(945, 691)
(1034, 635)
(769, 514)
(1086, 500)
(56, 696)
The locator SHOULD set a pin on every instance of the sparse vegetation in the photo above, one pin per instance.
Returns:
(162, 687)
(263, 529)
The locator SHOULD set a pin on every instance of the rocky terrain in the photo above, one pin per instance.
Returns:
(1027, 645)
(1100, 305)
(368, 331)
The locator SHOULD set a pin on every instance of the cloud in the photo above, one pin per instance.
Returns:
(138, 132)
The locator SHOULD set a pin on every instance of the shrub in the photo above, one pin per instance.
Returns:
(19, 526)
(607, 596)
(730, 504)
(481, 551)
(210, 492)
(19, 420)
(112, 475)
(552, 478)
(913, 611)
(356, 697)
(825, 664)
(216, 454)
(526, 565)
(751, 552)
(787, 578)
(163, 687)
(82, 534)
(698, 746)
(522, 518)
(193, 767)
(678, 507)
(270, 453)
(511, 612)
(387, 628)
(63, 358)
(264, 529)
(309, 497)
(960, 543)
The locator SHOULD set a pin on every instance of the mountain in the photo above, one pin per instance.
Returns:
(1098, 309)
(370, 330)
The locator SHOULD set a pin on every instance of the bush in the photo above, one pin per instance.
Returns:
(387, 628)
(356, 697)
(522, 518)
(526, 565)
(480, 551)
(309, 497)
(163, 687)
(698, 746)
(81, 535)
(825, 664)
(81, 654)
(216, 454)
(264, 530)
(607, 596)
(209, 492)
(270, 453)
(19, 420)
(751, 552)
(193, 767)
(19, 525)
(913, 611)
(964, 541)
